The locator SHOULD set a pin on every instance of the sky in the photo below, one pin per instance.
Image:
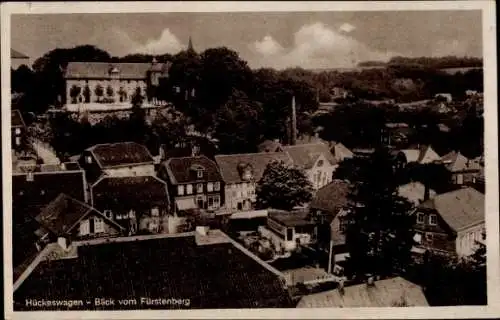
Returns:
(299, 39)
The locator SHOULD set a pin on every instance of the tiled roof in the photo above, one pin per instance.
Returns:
(269, 146)
(218, 275)
(62, 214)
(125, 193)
(332, 197)
(182, 170)
(305, 155)
(414, 192)
(460, 208)
(16, 120)
(291, 219)
(17, 55)
(424, 154)
(228, 164)
(121, 154)
(102, 70)
(456, 162)
(385, 293)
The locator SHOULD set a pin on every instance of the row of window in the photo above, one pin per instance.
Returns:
(432, 219)
(91, 226)
(320, 179)
(188, 189)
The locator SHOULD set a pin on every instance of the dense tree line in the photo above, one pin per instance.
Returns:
(433, 62)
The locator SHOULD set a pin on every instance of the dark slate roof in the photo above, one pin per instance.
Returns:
(14, 54)
(228, 164)
(124, 193)
(384, 294)
(62, 215)
(182, 170)
(211, 276)
(332, 197)
(305, 155)
(121, 154)
(460, 208)
(16, 119)
(291, 219)
(102, 70)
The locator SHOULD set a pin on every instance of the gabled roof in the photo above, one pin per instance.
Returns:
(16, 119)
(306, 155)
(460, 208)
(385, 293)
(101, 70)
(422, 155)
(457, 162)
(341, 152)
(332, 197)
(14, 54)
(269, 146)
(414, 192)
(62, 215)
(120, 154)
(228, 164)
(182, 170)
(128, 192)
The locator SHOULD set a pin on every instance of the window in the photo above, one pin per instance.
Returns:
(289, 234)
(18, 141)
(429, 237)
(88, 159)
(418, 237)
(199, 173)
(217, 186)
(420, 217)
(342, 225)
(433, 220)
(18, 131)
(199, 188)
(155, 212)
(180, 190)
(108, 214)
(460, 179)
(320, 163)
(210, 187)
(30, 176)
(84, 227)
(189, 189)
(98, 225)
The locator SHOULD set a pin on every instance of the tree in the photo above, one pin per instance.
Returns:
(99, 92)
(379, 237)
(21, 79)
(74, 92)
(283, 187)
(110, 92)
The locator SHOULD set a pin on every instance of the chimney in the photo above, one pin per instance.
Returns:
(294, 123)
(370, 281)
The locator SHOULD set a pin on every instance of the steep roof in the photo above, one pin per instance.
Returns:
(63, 213)
(341, 152)
(102, 70)
(331, 197)
(119, 154)
(128, 192)
(385, 293)
(460, 208)
(457, 162)
(211, 275)
(269, 146)
(14, 54)
(228, 164)
(305, 155)
(291, 218)
(414, 192)
(183, 170)
(424, 154)
(16, 119)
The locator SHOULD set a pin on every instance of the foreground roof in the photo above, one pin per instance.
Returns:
(385, 293)
(102, 70)
(211, 275)
(121, 154)
(460, 209)
(229, 164)
(305, 155)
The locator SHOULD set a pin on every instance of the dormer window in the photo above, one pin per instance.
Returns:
(88, 159)
(199, 173)
(320, 163)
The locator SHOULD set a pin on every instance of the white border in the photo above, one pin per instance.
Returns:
(491, 151)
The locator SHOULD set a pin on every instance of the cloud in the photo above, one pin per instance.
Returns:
(347, 28)
(318, 46)
(123, 44)
(267, 46)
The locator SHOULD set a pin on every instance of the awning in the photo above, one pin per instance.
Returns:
(249, 214)
(185, 204)
(341, 257)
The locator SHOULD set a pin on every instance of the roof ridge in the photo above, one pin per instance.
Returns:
(250, 153)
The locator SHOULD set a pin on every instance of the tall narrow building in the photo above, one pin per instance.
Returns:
(190, 45)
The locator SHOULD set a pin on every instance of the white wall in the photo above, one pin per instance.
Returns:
(466, 240)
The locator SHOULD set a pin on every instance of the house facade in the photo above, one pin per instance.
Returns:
(241, 173)
(18, 130)
(103, 82)
(122, 159)
(136, 203)
(316, 160)
(463, 170)
(194, 182)
(451, 222)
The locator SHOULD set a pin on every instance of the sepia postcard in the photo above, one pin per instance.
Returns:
(250, 160)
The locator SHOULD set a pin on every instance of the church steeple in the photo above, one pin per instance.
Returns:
(190, 45)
